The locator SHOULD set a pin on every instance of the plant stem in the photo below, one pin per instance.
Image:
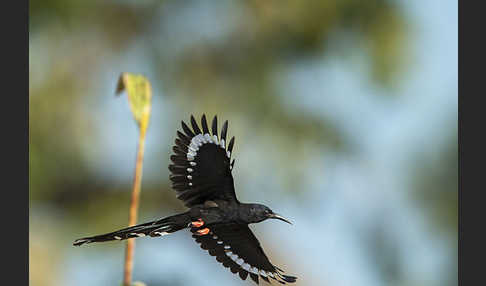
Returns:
(132, 220)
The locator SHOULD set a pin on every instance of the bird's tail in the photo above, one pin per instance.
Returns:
(158, 227)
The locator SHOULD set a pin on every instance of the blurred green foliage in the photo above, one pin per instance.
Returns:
(73, 40)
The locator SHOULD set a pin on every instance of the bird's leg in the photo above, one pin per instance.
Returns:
(197, 223)
(203, 231)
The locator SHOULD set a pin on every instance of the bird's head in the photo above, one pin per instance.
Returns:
(257, 213)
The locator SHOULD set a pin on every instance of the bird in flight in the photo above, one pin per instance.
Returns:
(201, 176)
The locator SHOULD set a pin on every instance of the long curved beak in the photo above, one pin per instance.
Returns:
(277, 216)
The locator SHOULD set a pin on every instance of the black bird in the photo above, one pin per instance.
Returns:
(201, 177)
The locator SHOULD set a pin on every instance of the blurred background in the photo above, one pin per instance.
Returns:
(345, 118)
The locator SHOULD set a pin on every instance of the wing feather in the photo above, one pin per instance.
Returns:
(187, 130)
(224, 130)
(195, 126)
(201, 168)
(204, 124)
(237, 248)
(215, 126)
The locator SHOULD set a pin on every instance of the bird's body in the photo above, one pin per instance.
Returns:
(201, 177)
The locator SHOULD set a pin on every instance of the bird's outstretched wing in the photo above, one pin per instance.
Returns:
(201, 168)
(237, 248)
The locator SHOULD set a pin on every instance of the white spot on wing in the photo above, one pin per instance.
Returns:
(199, 138)
(208, 138)
(161, 233)
(193, 147)
(82, 241)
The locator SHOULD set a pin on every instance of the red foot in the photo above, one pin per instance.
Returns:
(197, 223)
(203, 231)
